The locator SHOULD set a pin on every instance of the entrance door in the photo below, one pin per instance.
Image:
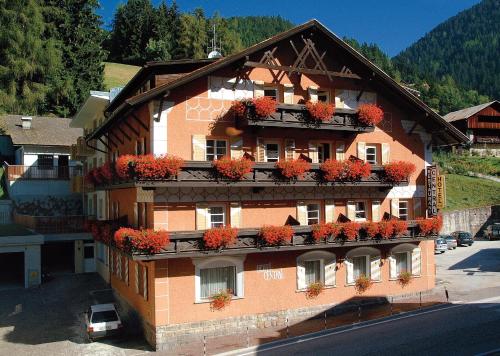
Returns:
(89, 257)
(63, 169)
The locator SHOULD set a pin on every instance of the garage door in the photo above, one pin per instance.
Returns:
(11, 270)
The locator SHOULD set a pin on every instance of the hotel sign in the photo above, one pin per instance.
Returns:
(441, 191)
(431, 191)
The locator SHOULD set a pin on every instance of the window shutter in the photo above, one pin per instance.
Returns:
(340, 151)
(392, 267)
(351, 210)
(260, 150)
(235, 214)
(417, 208)
(201, 216)
(302, 213)
(385, 153)
(375, 268)
(349, 270)
(329, 211)
(289, 149)
(145, 281)
(258, 89)
(313, 152)
(288, 94)
(136, 215)
(301, 276)
(313, 93)
(236, 147)
(199, 148)
(376, 211)
(362, 150)
(330, 273)
(416, 261)
(395, 207)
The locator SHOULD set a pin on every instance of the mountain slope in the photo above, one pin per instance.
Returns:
(466, 47)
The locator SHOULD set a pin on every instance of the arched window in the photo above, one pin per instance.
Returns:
(316, 267)
(405, 258)
(362, 261)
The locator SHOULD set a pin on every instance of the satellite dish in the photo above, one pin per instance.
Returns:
(215, 54)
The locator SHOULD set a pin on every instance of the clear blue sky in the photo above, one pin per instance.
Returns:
(392, 24)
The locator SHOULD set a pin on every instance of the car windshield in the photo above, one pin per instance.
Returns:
(440, 241)
(464, 235)
(104, 316)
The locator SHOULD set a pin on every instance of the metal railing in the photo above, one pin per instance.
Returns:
(52, 224)
(14, 172)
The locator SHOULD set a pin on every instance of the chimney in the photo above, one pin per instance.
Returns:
(26, 122)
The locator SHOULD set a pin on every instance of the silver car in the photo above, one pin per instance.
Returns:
(450, 241)
(440, 245)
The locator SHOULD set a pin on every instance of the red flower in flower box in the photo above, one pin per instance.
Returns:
(106, 171)
(151, 167)
(220, 300)
(320, 231)
(220, 237)
(233, 169)
(98, 178)
(371, 228)
(370, 114)
(238, 108)
(386, 229)
(122, 236)
(293, 169)
(351, 230)
(149, 241)
(123, 166)
(356, 170)
(264, 106)
(399, 171)
(333, 170)
(425, 226)
(320, 111)
(400, 227)
(106, 234)
(437, 224)
(276, 235)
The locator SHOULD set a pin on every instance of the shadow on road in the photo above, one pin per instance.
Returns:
(481, 261)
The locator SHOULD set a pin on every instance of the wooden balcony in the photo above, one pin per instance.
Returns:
(14, 172)
(52, 224)
(202, 174)
(189, 243)
(295, 116)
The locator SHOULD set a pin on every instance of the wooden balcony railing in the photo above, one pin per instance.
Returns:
(295, 116)
(486, 139)
(52, 224)
(14, 172)
(81, 150)
(189, 243)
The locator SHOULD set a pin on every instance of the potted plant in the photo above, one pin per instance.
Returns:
(276, 235)
(425, 226)
(151, 167)
(233, 168)
(220, 237)
(400, 227)
(362, 284)
(293, 169)
(370, 114)
(399, 171)
(264, 106)
(404, 278)
(371, 228)
(220, 300)
(320, 111)
(124, 166)
(350, 230)
(356, 170)
(333, 170)
(314, 289)
(238, 108)
(386, 229)
(121, 237)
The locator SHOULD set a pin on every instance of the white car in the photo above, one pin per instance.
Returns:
(102, 320)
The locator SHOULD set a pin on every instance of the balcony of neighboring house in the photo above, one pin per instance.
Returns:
(81, 150)
(487, 139)
(48, 172)
(52, 224)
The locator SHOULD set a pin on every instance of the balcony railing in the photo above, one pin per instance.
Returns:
(81, 150)
(52, 224)
(486, 139)
(264, 174)
(15, 172)
(295, 116)
(189, 243)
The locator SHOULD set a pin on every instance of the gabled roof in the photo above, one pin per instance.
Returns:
(448, 133)
(467, 112)
(44, 131)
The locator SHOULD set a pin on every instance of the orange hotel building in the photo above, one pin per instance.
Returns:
(182, 108)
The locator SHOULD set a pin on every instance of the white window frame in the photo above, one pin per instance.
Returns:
(321, 268)
(368, 253)
(216, 262)
(408, 249)
(265, 150)
(318, 210)
(367, 263)
(323, 257)
(371, 161)
(209, 214)
(215, 154)
(356, 210)
(407, 213)
(408, 261)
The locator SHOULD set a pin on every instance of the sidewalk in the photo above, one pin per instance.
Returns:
(254, 337)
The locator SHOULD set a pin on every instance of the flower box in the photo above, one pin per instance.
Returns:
(293, 169)
(234, 169)
(362, 284)
(370, 114)
(314, 289)
(220, 300)
(219, 237)
(399, 171)
(320, 111)
(276, 235)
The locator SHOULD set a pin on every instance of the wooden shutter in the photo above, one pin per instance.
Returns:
(288, 94)
(236, 147)
(330, 272)
(375, 268)
(416, 261)
(351, 210)
(235, 209)
(201, 216)
(386, 153)
(376, 211)
(393, 274)
(313, 94)
(362, 150)
(136, 215)
(329, 211)
(199, 148)
(260, 150)
(302, 213)
(301, 276)
(417, 208)
(289, 149)
(349, 270)
(313, 152)
(258, 89)
(395, 207)
(340, 150)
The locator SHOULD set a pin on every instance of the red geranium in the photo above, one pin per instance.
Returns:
(370, 114)
(276, 235)
(123, 166)
(386, 229)
(233, 169)
(238, 107)
(293, 168)
(400, 227)
(219, 237)
(399, 171)
(98, 177)
(437, 224)
(425, 225)
(149, 241)
(320, 111)
(264, 106)
(106, 171)
(106, 234)
(151, 167)
(350, 230)
(122, 236)
(356, 170)
(333, 170)
(320, 231)
(371, 228)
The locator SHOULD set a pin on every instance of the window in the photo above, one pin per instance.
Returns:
(323, 152)
(272, 152)
(316, 267)
(271, 92)
(215, 280)
(46, 161)
(360, 212)
(404, 258)
(402, 262)
(313, 214)
(88, 252)
(360, 266)
(371, 154)
(324, 96)
(217, 216)
(313, 272)
(403, 210)
(216, 149)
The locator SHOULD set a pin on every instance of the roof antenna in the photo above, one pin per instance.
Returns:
(214, 51)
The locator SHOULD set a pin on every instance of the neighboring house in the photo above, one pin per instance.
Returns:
(481, 124)
(40, 176)
(182, 109)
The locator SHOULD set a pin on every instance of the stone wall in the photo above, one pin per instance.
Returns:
(473, 220)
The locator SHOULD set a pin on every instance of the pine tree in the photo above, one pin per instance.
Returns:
(159, 46)
(229, 39)
(193, 40)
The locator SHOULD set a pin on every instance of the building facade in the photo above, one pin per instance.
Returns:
(186, 109)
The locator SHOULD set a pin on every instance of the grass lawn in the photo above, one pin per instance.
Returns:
(469, 192)
(14, 230)
(117, 75)
(461, 164)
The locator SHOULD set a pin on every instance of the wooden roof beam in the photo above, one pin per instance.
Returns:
(300, 70)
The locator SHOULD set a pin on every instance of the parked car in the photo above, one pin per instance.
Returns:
(493, 232)
(463, 238)
(440, 245)
(102, 320)
(450, 241)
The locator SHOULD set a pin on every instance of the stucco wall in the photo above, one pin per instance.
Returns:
(473, 220)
